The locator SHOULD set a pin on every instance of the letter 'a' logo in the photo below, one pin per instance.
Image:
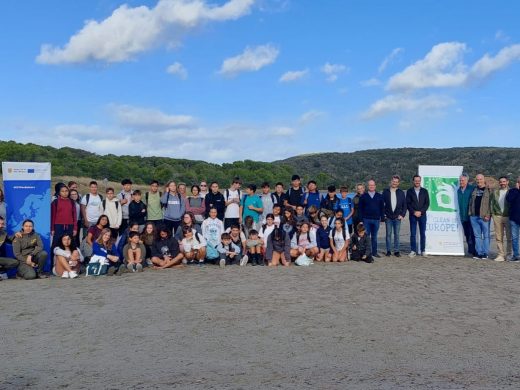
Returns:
(443, 192)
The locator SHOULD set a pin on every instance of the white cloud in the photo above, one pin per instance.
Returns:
(441, 67)
(178, 69)
(399, 103)
(293, 75)
(282, 131)
(373, 82)
(488, 65)
(251, 60)
(132, 30)
(311, 116)
(146, 118)
(389, 59)
(502, 36)
(333, 70)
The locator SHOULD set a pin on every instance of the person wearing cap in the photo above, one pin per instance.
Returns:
(294, 194)
(125, 197)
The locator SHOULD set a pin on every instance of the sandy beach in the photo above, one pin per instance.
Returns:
(430, 323)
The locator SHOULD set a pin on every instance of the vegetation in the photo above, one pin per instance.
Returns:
(325, 168)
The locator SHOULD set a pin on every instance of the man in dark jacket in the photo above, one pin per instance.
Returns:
(395, 211)
(6, 263)
(418, 202)
(464, 195)
(372, 211)
(513, 198)
(214, 199)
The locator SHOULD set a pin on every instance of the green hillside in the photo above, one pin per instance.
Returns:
(326, 168)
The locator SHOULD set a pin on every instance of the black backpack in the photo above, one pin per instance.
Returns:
(104, 203)
(146, 196)
(88, 198)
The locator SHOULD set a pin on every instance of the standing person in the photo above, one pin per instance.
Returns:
(513, 198)
(214, 199)
(372, 211)
(232, 197)
(28, 250)
(360, 190)
(74, 195)
(464, 196)
(73, 186)
(3, 211)
(181, 187)
(63, 216)
(480, 216)
(174, 207)
(345, 204)
(195, 204)
(125, 197)
(294, 194)
(113, 210)
(279, 194)
(312, 197)
(152, 200)
(268, 201)
(417, 202)
(137, 210)
(251, 205)
(395, 211)
(203, 189)
(330, 202)
(91, 207)
(500, 214)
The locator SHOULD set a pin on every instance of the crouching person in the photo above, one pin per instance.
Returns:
(228, 251)
(67, 258)
(278, 248)
(361, 245)
(165, 250)
(5, 263)
(105, 248)
(28, 250)
(134, 253)
(193, 246)
(304, 242)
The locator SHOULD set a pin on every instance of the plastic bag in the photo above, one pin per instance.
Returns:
(303, 260)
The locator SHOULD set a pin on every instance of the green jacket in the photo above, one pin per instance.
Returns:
(29, 244)
(485, 205)
(495, 207)
(464, 198)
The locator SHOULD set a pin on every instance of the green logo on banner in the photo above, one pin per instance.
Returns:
(443, 193)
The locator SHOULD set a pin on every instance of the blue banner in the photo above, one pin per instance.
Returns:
(27, 190)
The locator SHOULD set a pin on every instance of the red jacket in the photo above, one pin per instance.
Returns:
(63, 212)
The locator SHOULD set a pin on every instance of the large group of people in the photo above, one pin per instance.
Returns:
(166, 227)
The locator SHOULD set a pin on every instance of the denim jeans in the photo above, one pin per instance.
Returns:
(372, 227)
(515, 227)
(395, 226)
(414, 221)
(470, 237)
(482, 237)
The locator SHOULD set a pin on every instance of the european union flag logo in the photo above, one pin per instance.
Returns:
(30, 170)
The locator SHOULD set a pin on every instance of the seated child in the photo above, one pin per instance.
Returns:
(361, 246)
(134, 253)
(278, 249)
(323, 240)
(304, 242)
(254, 246)
(339, 241)
(229, 252)
(193, 246)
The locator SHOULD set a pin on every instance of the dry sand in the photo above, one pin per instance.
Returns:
(434, 323)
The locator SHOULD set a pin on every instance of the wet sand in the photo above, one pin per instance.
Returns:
(429, 323)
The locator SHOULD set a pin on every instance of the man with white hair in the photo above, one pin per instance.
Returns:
(464, 195)
(480, 216)
(513, 198)
(500, 213)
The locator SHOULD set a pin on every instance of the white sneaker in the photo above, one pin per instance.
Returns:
(4, 276)
(65, 275)
(222, 263)
(424, 254)
(244, 260)
(499, 258)
(412, 254)
(73, 274)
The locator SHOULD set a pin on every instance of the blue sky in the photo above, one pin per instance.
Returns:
(259, 79)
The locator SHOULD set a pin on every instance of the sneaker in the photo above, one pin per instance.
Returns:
(484, 257)
(412, 254)
(424, 254)
(515, 258)
(376, 255)
(4, 276)
(65, 275)
(139, 268)
(476, 257)
(388, 254)
(397, 254)
(73, 274)
(510, 257)
(201, 263)
(244, 260)
(149, 262)
(222, 263)
(499, 258)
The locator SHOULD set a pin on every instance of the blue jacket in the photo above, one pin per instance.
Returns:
(312, 198)
(400, 208)
(322, 237)
(372, 208)
(513, 198)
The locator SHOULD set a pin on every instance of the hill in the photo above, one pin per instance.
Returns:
(325, 168)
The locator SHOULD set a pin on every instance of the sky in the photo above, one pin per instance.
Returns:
(229, 80)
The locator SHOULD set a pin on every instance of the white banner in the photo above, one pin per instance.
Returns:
(444, 231)
(26, 171)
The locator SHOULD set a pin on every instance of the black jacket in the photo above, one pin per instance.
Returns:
(400, 208)
(422, 204)
(169, 246)
(372, 208)
(215, 201)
